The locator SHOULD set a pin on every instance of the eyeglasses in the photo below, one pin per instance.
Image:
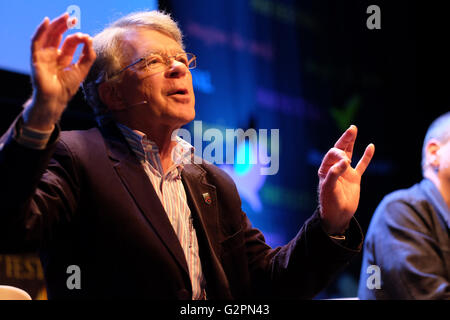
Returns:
(157, 61)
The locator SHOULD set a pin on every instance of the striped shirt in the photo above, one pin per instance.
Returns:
(170, 190)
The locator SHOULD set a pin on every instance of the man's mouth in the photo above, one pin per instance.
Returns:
(177, 92)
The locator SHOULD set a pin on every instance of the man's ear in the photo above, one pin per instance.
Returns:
(432, 154)
(110, 96)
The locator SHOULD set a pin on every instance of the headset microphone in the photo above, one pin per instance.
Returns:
(135, 104)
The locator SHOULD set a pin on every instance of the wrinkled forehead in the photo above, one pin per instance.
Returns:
(139, 42)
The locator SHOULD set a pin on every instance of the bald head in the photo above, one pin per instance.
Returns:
(439, 131)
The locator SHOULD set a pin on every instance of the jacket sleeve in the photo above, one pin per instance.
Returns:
(304, 266)
(410, 258)
(38, 189)
(298, 270)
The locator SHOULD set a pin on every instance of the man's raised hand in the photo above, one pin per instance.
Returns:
(339, 183)
(55, 78)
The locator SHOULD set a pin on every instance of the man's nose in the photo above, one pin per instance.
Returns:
(176, 69)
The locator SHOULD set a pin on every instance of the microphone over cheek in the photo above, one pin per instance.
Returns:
(141, 102)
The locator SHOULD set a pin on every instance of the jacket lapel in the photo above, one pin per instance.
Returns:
(203, 203)
(133, 176)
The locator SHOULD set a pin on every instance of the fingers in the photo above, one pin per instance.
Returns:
(70, 46)
(39, 36)
(335, 172)
(68, 50)
(49, 34)
(333, 156)
(87, 57)
(71, 23)
(365, 160)
(56, 29)
(347, 140)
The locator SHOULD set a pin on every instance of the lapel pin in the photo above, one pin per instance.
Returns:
(207, 198)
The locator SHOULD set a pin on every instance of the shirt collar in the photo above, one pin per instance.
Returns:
(147, 150)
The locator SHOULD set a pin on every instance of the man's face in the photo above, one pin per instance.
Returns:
(444, 161)
(168, 92)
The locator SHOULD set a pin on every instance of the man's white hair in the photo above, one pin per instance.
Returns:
(439, 130)
(108, 47)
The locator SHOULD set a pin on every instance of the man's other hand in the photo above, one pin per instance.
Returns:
(339, 183)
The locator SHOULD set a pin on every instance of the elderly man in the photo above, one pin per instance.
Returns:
(123, 204)
(408, 237)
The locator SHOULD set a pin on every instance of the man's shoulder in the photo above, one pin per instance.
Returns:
(76, 139)
(407, 207)
(80, 143)
(80, 135)
(412, 196)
